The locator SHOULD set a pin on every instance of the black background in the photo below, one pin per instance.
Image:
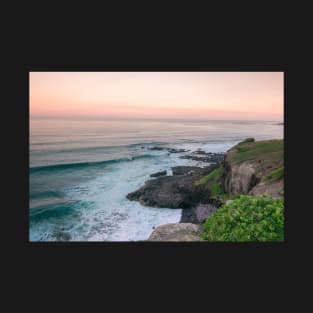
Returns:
(212, 39)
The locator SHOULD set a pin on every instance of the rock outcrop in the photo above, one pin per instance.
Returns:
(177, 232)
(170, 150)
(240, 178)
(198, 214)
(192, 170)
(177, 191)
(248, 140)
(161, 173)
(275, 189)
(202, 156)
(203, 211)
(248, 165)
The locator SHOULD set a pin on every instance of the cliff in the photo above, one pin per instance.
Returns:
(255, 168)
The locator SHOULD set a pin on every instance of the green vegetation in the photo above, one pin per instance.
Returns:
(215, 175)
(216, 189)
(213, 182)
(242, 149)
(224, 196)
(271, 150)
(247, 218)
(275, 175)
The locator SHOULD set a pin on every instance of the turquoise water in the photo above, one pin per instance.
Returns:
(81, 171)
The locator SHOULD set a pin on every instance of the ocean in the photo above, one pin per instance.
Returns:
(81, 171)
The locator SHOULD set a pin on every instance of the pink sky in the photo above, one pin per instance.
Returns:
(215, 95)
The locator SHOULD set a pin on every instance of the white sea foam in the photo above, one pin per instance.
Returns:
(115, 218)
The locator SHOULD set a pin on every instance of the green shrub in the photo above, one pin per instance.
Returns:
(247, 218)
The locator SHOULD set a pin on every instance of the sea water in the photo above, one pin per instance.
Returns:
(81, 171)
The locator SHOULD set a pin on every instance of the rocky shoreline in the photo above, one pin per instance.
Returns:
(180, 191)
(194, 189)
(174, 191)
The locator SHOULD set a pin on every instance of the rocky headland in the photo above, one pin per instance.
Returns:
(177, 191)
(249, 168)
(255, 168)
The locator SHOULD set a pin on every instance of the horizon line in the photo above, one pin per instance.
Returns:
(148, 118)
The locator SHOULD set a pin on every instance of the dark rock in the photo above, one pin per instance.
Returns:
(216, 202)
(185, 170)
(178, 191)
(172, 150)
(62, 236)
(199, 151)
(189, 216)
(198, 214)
(157, 148)
(248, 140)
(203, 211)
(162, 173)
(217, 158)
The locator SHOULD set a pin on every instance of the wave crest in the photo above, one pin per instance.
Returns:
(86, 164)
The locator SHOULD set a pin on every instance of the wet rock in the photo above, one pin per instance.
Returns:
(172, 150)
(189, 216)
(157, 174)
(62, 236)
(199, 151)
(216, 158)
(186, 170)
(157, 148)
(178, 191)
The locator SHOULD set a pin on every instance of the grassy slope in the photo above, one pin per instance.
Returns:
(213, 182)
(214, 175)
(275, 175)
(267, 155)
